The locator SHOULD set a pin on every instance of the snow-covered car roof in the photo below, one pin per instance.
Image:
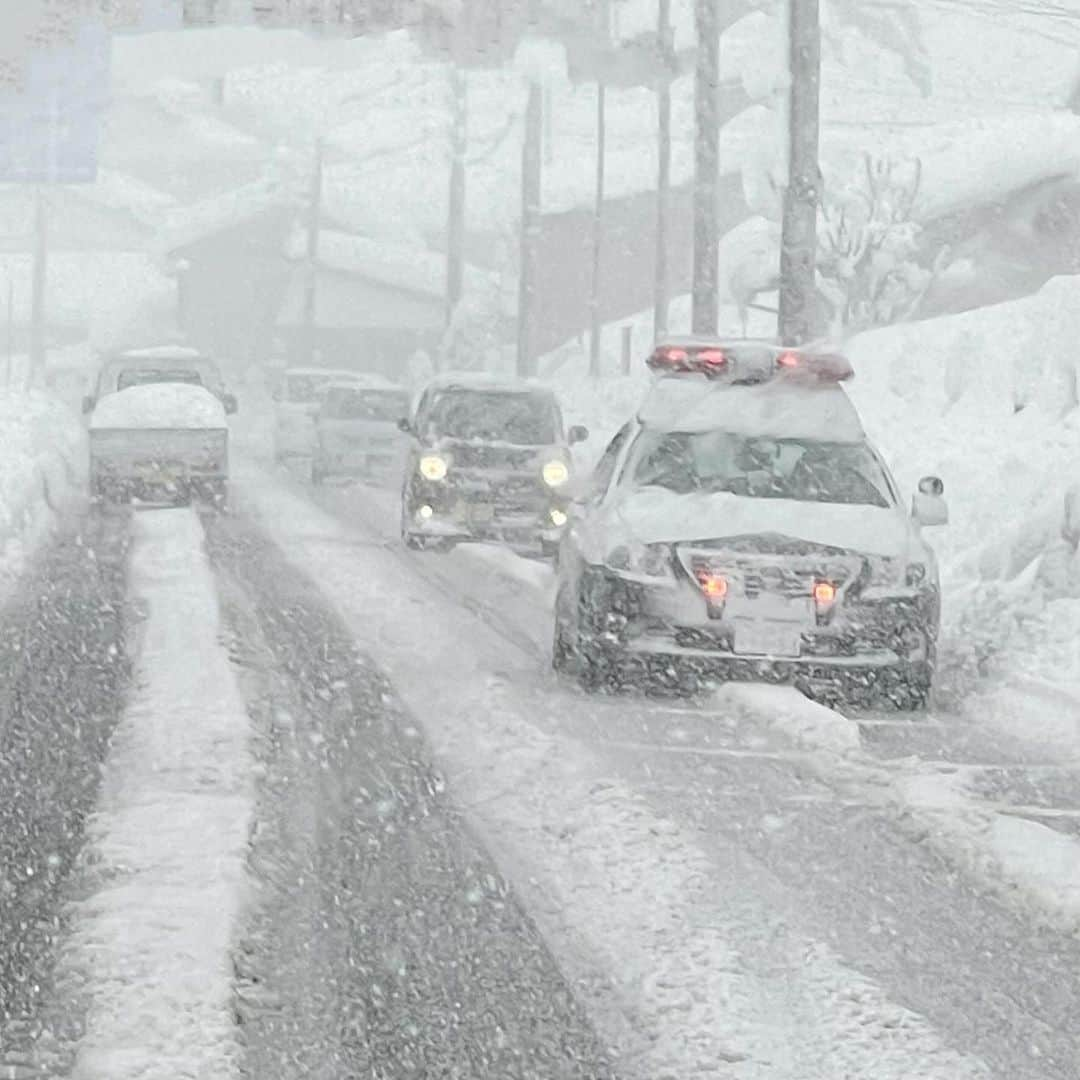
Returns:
(485, 381)
(160, 406)
(778, 408)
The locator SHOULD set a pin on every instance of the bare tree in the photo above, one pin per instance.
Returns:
(871, 266)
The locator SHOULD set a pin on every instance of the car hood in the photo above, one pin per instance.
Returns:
(658, 516)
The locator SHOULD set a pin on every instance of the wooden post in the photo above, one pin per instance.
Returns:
(706, 304)
(10, 327)
(598, 230)
(663, 181)
(36, 368)
(455, 227)
(531, 172)
(800, 316)
(627, 348)
(313, 228)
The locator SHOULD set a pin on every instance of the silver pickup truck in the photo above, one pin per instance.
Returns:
(164, 442)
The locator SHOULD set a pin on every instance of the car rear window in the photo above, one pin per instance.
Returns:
(145, 377)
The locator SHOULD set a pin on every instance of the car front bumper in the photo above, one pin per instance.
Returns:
(653, 628)
(523, 517)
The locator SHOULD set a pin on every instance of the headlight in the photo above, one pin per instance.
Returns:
(652, 560)
(433, 467)
(555, 473)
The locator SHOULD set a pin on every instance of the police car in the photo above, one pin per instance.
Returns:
(741, 525)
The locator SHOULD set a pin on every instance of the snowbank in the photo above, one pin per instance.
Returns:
(988, 401)
(160, 405)
(43, 465)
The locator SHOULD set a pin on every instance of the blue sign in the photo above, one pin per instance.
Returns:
(50, 125)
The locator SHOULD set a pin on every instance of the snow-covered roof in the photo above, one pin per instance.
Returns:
(778, 408)
(159, 406)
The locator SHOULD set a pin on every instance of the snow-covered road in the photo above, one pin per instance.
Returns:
(825, 845)
(562, 886)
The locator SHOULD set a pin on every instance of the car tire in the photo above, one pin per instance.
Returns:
(594, 670)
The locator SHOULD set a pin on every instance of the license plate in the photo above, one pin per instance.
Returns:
(779, 640)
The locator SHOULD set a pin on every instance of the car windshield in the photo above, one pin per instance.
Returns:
(802, 470)
(384, 406)
(523, 419)
(143, 376)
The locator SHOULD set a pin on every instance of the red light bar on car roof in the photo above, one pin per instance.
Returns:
(748, 361)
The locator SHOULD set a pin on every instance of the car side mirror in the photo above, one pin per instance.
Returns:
(230, 403)
(928, 507)
(577, 434)
(405, 425)
(88, 404)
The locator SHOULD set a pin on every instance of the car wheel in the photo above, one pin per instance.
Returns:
(563, 653)
(596, 668)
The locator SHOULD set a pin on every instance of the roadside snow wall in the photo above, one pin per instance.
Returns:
(988, 400)
(42, 470)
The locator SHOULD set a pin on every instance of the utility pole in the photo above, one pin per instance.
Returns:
(705, 318)
(10, 327)
(36, 370)
(455, 226)
(531, 172)
(313, 227)
(598, 228)
(800, 317)
(663, 181)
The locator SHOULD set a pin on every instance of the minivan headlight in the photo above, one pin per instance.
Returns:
(555, 473)
(433, 467)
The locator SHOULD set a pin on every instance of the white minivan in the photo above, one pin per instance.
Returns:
(358, 430)
(296, 401)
